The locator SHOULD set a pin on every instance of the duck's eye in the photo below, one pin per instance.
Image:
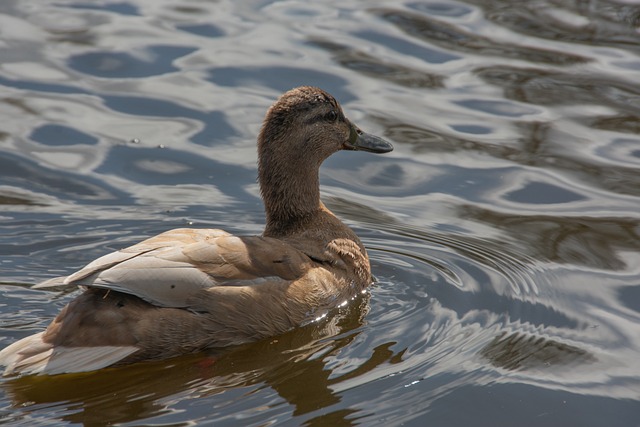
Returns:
(331, 116)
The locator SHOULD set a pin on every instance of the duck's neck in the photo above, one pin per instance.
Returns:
(291, 193)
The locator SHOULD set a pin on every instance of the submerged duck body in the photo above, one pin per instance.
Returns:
(187, 290)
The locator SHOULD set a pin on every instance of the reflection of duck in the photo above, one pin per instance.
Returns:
(187, 289)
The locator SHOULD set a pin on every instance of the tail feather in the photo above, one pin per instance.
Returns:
(54, 284)
(31, 355)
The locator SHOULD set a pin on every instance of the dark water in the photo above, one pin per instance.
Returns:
(503, 229)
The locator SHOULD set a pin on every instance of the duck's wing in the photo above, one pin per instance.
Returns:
(168, 269)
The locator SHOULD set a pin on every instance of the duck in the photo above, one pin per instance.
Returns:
(189, 290)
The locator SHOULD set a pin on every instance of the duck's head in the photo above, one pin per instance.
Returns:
(304, 127)
(307, 124)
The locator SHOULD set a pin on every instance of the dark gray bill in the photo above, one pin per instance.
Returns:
(361, 141)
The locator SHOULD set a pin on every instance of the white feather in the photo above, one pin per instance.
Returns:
(156, 280)
(31, 355)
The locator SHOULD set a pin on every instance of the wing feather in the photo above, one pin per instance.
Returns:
(168, 269)
(31, 355)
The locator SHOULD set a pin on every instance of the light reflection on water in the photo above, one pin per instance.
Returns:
(503, 230)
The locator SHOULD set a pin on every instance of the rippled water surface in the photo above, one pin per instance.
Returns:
(503, 230)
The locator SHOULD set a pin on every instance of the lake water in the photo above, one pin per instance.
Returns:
(504, 229)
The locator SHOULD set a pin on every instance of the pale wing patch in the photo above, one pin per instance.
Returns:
(102, 263)
(31, 355)
(83, 359)
(156, 280)
(172, 239)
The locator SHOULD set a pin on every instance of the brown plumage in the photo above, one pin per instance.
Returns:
(188, 290)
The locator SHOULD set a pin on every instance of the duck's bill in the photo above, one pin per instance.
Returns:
(361, 141)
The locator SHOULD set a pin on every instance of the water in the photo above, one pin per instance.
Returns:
(503, 230)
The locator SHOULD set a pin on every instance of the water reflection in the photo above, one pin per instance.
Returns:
(519, 351)
(599, 243)
(541, 87)
(123, 8)
(204, 30)
(454, 38)
(279, 78)
(21, 173)
(61, 135)
(538, 148)
(602, 22)
(375, 67)
(155, 60)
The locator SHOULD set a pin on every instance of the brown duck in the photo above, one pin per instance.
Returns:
(187, 290)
